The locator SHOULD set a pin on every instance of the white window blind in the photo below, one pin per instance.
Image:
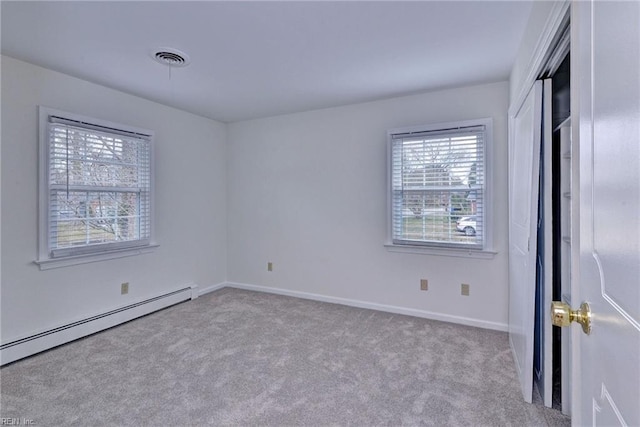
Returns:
(99, 188)
(438, 187)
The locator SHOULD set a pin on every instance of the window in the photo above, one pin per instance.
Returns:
(95, 187)
(438, 185)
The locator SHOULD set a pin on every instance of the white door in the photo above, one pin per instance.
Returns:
(524, 163)
(606, 97)
(544, 257)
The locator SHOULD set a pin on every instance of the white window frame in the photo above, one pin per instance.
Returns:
(45, 258)
(486, 251)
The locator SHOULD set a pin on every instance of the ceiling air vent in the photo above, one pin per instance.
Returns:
(170, 57)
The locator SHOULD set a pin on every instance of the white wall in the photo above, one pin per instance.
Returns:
(190, 204)
(308, 192)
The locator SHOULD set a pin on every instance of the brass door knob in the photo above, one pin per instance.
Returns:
(562, 315)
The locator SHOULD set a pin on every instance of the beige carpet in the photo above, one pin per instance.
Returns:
(235, 357)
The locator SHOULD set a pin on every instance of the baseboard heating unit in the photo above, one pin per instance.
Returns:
(32, 344)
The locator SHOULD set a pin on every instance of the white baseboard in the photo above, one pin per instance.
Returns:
(22, 347)
(211, 288)
(374, 306)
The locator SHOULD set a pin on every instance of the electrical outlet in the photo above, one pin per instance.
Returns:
(124, 288)
(424, 285)
(464, 289)
(269, 266)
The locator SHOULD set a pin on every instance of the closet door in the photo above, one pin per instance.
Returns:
(544, 257)
(524, 170)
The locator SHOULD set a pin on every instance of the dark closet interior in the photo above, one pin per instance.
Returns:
(560, 224)
(561, 111)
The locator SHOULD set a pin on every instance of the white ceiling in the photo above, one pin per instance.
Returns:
(257, 59)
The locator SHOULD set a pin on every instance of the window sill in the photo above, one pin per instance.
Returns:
(424, 250)
(49, 263)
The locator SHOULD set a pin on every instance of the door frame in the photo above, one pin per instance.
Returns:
(549, 38)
